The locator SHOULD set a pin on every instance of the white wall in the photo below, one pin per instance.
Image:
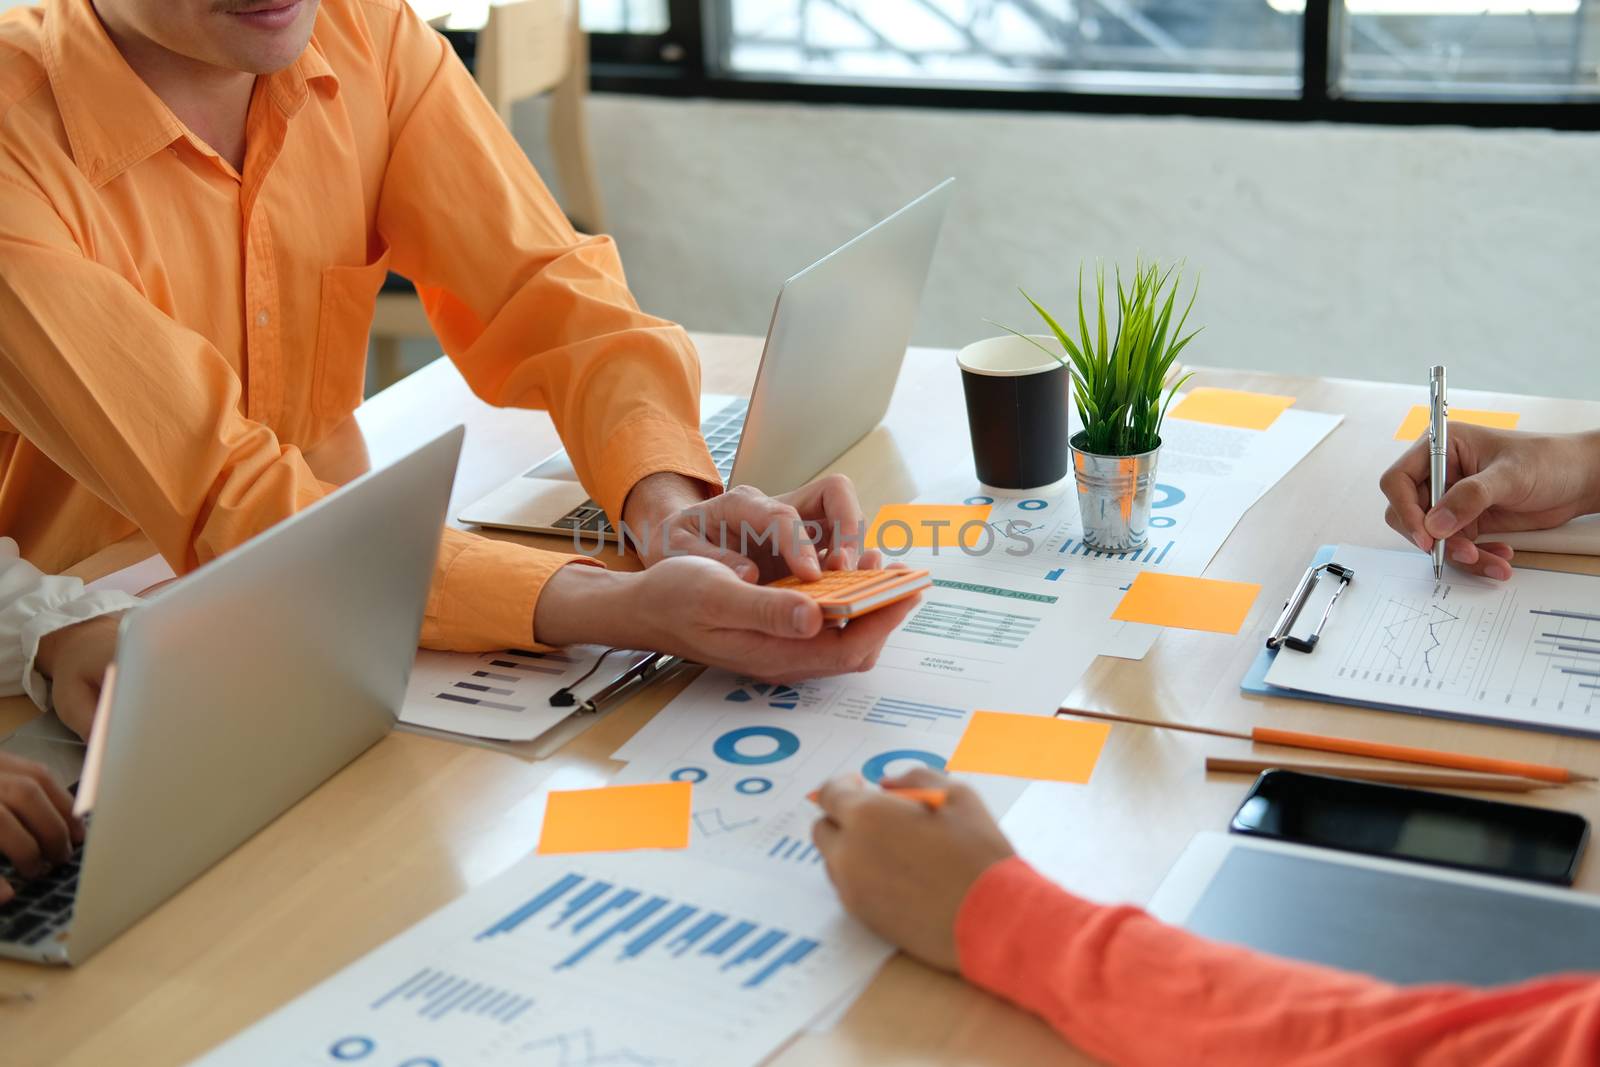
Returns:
(1341, 250)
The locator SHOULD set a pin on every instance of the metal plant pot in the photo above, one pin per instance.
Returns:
(1114, 497)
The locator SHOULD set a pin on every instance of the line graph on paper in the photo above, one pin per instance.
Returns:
(1414, 637)
(1488, 646)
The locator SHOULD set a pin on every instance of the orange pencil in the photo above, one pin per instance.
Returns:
(1350, 746)
(932, 799)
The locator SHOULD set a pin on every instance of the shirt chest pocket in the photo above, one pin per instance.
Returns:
(343, 323)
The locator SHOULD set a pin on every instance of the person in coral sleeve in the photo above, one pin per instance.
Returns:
(199, 201)
(946, 887)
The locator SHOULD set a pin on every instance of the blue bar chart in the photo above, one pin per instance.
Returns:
(1154, 553)
(789, 849)
(619, 924)
(435, 994)
(893, 711)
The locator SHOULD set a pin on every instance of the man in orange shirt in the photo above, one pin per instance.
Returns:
(199, 200)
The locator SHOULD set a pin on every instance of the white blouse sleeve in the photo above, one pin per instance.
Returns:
(32, 605)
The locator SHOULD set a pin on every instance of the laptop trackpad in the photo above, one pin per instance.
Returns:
(46, 741)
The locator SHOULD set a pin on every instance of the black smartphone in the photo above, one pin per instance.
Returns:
(1514, 840)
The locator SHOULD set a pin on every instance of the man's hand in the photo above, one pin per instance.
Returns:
(699, 609)
(75, 659)
(759, 537)
(656, 498)
(902, 869)
(37, 827)
(1499, 481)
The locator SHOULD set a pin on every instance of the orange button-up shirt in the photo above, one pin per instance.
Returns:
(174, 333)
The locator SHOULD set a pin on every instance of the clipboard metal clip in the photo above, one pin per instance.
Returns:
(1280, 636)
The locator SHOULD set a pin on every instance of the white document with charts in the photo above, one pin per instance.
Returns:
(754, 750)
(1525, 652)
(644, 959)
(1207, 479)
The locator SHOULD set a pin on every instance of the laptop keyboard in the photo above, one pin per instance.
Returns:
(42, 906)
(721, 431)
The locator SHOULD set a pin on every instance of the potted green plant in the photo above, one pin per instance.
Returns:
(1122, 381)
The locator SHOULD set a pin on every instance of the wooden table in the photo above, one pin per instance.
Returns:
(416, 822)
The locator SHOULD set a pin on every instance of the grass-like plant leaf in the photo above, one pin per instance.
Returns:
(1122, 377)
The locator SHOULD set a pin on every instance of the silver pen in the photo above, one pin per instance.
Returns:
(1438, 453)
(642, 673)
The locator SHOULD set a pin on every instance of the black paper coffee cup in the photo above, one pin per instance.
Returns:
(1017, 411)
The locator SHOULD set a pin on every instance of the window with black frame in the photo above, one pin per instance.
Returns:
(1379, 59)
(1485, 49)
(1244, 47)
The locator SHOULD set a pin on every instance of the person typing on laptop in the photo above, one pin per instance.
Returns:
(199, 200)
(56, 641)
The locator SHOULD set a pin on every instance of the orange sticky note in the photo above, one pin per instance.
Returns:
(1416, 420)
(1231, 407)
(901, 526)
(1188, 603)
(1030, 746)
(616, 818)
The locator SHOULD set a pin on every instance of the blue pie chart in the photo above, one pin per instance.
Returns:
(784, 745)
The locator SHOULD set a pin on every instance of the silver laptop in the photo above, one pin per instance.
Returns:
(838, 336)
(236, 692)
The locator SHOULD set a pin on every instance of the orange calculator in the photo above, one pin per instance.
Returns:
(846, 595)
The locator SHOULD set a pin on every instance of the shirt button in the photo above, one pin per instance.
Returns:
(262, 318)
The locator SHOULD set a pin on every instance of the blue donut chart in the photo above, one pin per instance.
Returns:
(875, 768)
(689, 774)
(978, 500)
(726, 747)
(347, 1049)
(752, 786)
(1033, 505)
(1171, 496)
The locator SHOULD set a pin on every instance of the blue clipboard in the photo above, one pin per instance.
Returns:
(1255, 681)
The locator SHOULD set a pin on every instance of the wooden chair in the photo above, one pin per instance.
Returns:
(525, 48)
